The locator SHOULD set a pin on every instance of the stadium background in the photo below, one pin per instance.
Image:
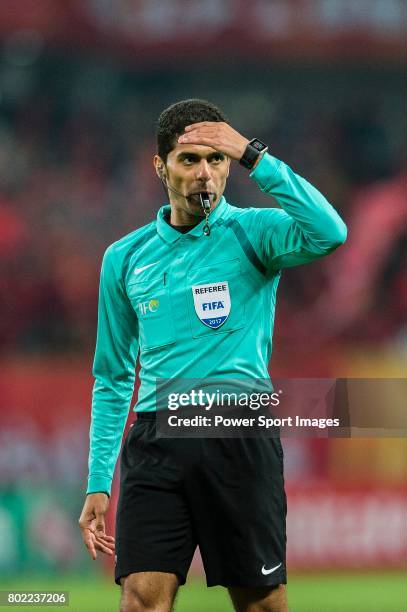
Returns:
(81, 85)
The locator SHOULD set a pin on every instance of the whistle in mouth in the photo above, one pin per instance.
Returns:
(205, 202)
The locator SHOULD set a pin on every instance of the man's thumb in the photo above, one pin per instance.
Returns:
(100, 523)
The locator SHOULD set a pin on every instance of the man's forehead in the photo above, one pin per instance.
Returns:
(200, 150)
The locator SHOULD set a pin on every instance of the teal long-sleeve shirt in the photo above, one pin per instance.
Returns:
(157, 300)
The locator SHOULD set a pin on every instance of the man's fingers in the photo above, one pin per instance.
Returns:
(101, 536)
(211, 124)
(93, 543)
(103, 548)
(194, 126)
(98, 542)
(89, 540)
(202, 132)
(103, 542)
(199, 139)
(106, 537)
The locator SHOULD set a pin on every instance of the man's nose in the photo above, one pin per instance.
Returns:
(204, 173)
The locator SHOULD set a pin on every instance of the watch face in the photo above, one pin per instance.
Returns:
(257, 144)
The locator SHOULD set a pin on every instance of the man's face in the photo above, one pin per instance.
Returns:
(192, 169)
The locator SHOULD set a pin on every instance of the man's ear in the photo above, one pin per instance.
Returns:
(160, 168)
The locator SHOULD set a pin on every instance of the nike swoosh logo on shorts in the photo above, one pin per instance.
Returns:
(138, 270)
(266, 572)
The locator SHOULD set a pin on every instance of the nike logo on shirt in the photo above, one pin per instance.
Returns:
(266, 572)
(138, 270)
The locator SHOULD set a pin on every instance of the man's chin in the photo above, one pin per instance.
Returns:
(196, 210)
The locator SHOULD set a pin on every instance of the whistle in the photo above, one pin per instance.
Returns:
(205, 202)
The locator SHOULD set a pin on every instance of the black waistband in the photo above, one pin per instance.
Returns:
(146, 416)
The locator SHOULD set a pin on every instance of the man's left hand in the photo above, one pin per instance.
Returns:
(218, 135)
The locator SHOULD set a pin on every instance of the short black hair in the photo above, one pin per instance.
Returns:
(174, 119)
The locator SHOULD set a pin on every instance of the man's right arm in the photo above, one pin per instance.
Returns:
(114, 372)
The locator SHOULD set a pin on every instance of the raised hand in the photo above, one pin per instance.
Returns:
(218, 135)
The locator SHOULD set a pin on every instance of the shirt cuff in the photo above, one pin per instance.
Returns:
(98, 483)
(265, 171)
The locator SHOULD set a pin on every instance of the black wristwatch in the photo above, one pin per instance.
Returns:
(255, 148)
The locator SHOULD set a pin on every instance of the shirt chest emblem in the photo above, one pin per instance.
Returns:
(212, 303)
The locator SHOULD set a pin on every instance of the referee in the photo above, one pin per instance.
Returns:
(225, 495)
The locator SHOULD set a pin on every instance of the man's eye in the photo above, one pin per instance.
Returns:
(188, 160)
(217, 158)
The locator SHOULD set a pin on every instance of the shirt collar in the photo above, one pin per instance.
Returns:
(169, 234)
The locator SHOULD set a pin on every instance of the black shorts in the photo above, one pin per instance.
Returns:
(225, 495)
